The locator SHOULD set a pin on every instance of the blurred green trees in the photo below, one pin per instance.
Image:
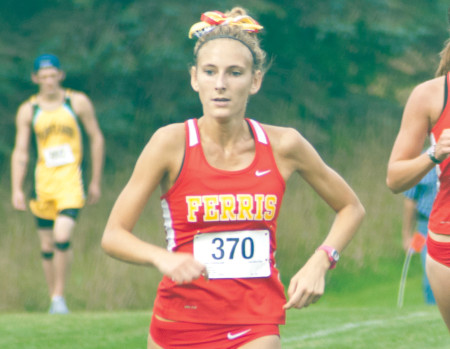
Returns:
(333, 60)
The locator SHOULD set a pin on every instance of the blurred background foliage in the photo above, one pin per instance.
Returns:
(333, 61)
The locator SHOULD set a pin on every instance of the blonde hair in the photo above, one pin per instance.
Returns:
(250, 40)
(444, 64)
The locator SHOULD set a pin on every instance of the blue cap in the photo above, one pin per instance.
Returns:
(46, 61)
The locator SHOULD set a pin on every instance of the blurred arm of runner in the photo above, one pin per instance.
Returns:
(85, 110)
(295, 154)
(408, 222)
(407, 166)
(158, 164)
(20, 155)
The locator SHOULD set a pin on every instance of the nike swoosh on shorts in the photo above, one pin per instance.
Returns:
(232, 336)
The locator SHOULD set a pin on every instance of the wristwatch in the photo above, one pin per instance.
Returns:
(431, 152)
(333, 255)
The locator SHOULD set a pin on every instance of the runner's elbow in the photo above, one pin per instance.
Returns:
(108, 242)
(393, 185)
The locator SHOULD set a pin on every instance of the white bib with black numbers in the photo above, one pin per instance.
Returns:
(58, 155)
(235, 254)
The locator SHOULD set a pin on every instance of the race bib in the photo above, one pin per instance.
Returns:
(236, 254)
(58, 155)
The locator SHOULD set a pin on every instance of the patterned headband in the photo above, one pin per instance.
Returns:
(212, 19)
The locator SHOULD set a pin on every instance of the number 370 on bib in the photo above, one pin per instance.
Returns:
(236, 254)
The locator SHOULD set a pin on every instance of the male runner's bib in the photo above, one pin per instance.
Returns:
(439, 221)
(58, 181)
(227, 220)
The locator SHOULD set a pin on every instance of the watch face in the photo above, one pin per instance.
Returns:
(335, 255)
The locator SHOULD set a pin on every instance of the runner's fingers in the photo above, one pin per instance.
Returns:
(303, 298)
(205, 274)
(293, 285)
(303, 301)
(296, 300)
(189, 272)
(316, 298)
(309, 299)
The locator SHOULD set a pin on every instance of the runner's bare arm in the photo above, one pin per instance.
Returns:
(85, 110)
(294, 154)
(407, 165)
(20, 155)
(158, 164)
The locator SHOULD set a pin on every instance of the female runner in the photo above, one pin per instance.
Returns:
(223, 177)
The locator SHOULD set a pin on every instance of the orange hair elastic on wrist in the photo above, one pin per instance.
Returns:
(212, 19)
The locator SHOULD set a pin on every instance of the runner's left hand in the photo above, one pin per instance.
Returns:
(308, 285)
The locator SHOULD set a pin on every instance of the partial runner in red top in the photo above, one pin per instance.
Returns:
(427, 114)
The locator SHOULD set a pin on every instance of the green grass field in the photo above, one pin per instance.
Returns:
(338, 320)
(416, 327)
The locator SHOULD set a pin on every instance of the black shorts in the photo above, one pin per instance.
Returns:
(48, 223)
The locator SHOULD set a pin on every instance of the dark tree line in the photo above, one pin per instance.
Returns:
(332, 60)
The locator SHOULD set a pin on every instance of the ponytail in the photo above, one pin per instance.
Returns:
(444, 64)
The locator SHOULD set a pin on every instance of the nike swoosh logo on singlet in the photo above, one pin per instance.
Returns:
(232, 336)
(261, 173)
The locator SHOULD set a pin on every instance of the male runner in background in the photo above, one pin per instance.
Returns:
(54, 120)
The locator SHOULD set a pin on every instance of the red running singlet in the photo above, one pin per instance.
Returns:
(228, 220)
(439, 221)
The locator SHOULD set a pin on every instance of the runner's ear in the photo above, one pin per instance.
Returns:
(194, 83)
(62, 75)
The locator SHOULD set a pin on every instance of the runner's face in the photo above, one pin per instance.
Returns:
(224, 79)
(48, 79)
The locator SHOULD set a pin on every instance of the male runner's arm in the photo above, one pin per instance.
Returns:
(85, 110)
(20, 156)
